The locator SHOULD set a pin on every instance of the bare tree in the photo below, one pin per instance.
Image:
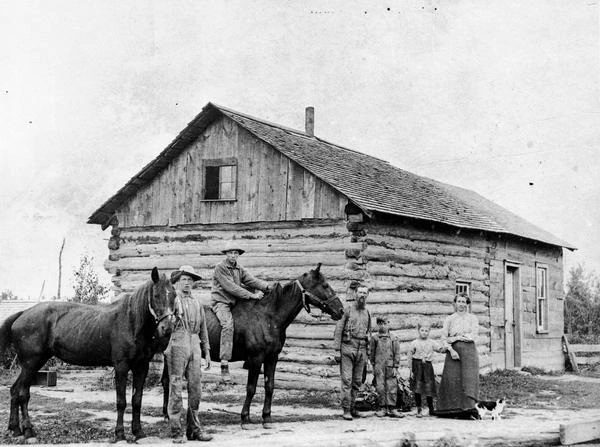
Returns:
(60, 267)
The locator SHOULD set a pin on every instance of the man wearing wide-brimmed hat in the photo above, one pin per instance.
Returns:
(184, 358)
(231, 282)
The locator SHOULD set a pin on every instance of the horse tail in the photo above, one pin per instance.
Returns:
(5, 331)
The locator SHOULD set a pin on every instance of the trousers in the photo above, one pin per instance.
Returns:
(353, 361)
(184, 359)
(386, 385)
(223, 313)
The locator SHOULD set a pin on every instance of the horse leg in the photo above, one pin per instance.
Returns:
(139, 377)
(121, 371)
(13, 421)
(28, 371)
(269, 367)
(164, 380)
(253, 373)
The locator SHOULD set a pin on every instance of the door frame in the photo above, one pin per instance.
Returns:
(515, 267)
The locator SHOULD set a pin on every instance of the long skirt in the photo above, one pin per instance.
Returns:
(423, 378)
(459, 388)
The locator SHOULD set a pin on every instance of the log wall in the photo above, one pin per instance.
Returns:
(270, 187)
(411, 270)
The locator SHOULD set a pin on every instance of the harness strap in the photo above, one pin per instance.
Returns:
(158, 319)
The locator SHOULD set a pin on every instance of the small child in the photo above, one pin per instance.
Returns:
(385, 358)
(422, 377)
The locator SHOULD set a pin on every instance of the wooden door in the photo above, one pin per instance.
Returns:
(512, 317)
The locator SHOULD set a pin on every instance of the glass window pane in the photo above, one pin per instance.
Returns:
(227, 191)
(226, 173)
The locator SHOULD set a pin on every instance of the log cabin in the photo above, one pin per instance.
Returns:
(292, 200)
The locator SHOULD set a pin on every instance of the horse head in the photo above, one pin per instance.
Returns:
(162, 301)
(317, 292)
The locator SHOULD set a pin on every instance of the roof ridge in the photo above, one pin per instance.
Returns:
(254, 118)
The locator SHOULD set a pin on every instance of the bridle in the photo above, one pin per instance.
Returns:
(158, 319)
(306, 293)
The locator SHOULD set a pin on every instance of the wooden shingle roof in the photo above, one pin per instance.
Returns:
(371, 183)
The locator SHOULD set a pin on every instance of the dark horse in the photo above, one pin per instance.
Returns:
(259, 332)
(123, 334)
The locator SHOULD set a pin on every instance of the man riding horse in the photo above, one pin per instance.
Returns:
(231, 282)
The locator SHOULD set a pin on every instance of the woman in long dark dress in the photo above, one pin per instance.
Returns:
(459, 388)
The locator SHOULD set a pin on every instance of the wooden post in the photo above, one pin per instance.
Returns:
(60, 267)
(571, 354)
(579, 432)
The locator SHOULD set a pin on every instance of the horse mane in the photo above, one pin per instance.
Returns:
(136, 304)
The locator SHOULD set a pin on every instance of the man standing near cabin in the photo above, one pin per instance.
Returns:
(231, 282)
(184, 358)
(351, 339)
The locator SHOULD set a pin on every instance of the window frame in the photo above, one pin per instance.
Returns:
(220, 163)
(461, 282)
(541, 299)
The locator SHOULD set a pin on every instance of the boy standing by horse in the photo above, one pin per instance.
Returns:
(231, 283)
(184, 358)
(385, 358)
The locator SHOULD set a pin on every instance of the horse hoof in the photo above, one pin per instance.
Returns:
(248, 426)
(32, 440)
(268, 425)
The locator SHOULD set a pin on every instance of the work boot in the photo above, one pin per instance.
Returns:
(347, 416)
(393, 413)
(199, 435)
(225, 376)
(354, 413)
(177, 436)
(381, 413)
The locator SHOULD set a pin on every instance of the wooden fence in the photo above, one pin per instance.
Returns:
(580, 354)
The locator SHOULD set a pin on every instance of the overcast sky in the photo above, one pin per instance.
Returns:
(498, 97)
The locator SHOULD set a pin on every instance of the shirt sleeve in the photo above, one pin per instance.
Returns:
(446, 331)
(372, 348)
(250, 281)
(204, 343)
(396, 348)
(339, 330)
(223, 277)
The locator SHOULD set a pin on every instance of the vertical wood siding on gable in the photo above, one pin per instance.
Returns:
(270, 187)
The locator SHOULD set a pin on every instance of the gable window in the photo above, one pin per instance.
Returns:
(541, 298)
(463, 288)
(220, 179)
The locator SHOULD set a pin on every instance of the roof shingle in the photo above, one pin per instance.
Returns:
(371, 183)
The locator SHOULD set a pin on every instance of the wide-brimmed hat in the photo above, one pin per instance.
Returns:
(189, 270)
(232, 245)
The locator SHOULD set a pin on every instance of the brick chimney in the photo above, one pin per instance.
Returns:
(309, 123)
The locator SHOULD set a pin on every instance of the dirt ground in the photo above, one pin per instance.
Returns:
(76, 411)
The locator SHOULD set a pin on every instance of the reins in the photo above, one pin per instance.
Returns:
(306, 293)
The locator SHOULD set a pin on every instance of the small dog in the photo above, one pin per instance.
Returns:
(493, 407)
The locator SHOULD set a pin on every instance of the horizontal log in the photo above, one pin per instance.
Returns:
(580, 431)
(396, 282)
(428, 271)
(402, 256)
(412, 233)
(433, 296)
(585, 348)
(325, 333)
(209, 262)
(213, 247)
(588, 360)
(250, 230)
(426, 246)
